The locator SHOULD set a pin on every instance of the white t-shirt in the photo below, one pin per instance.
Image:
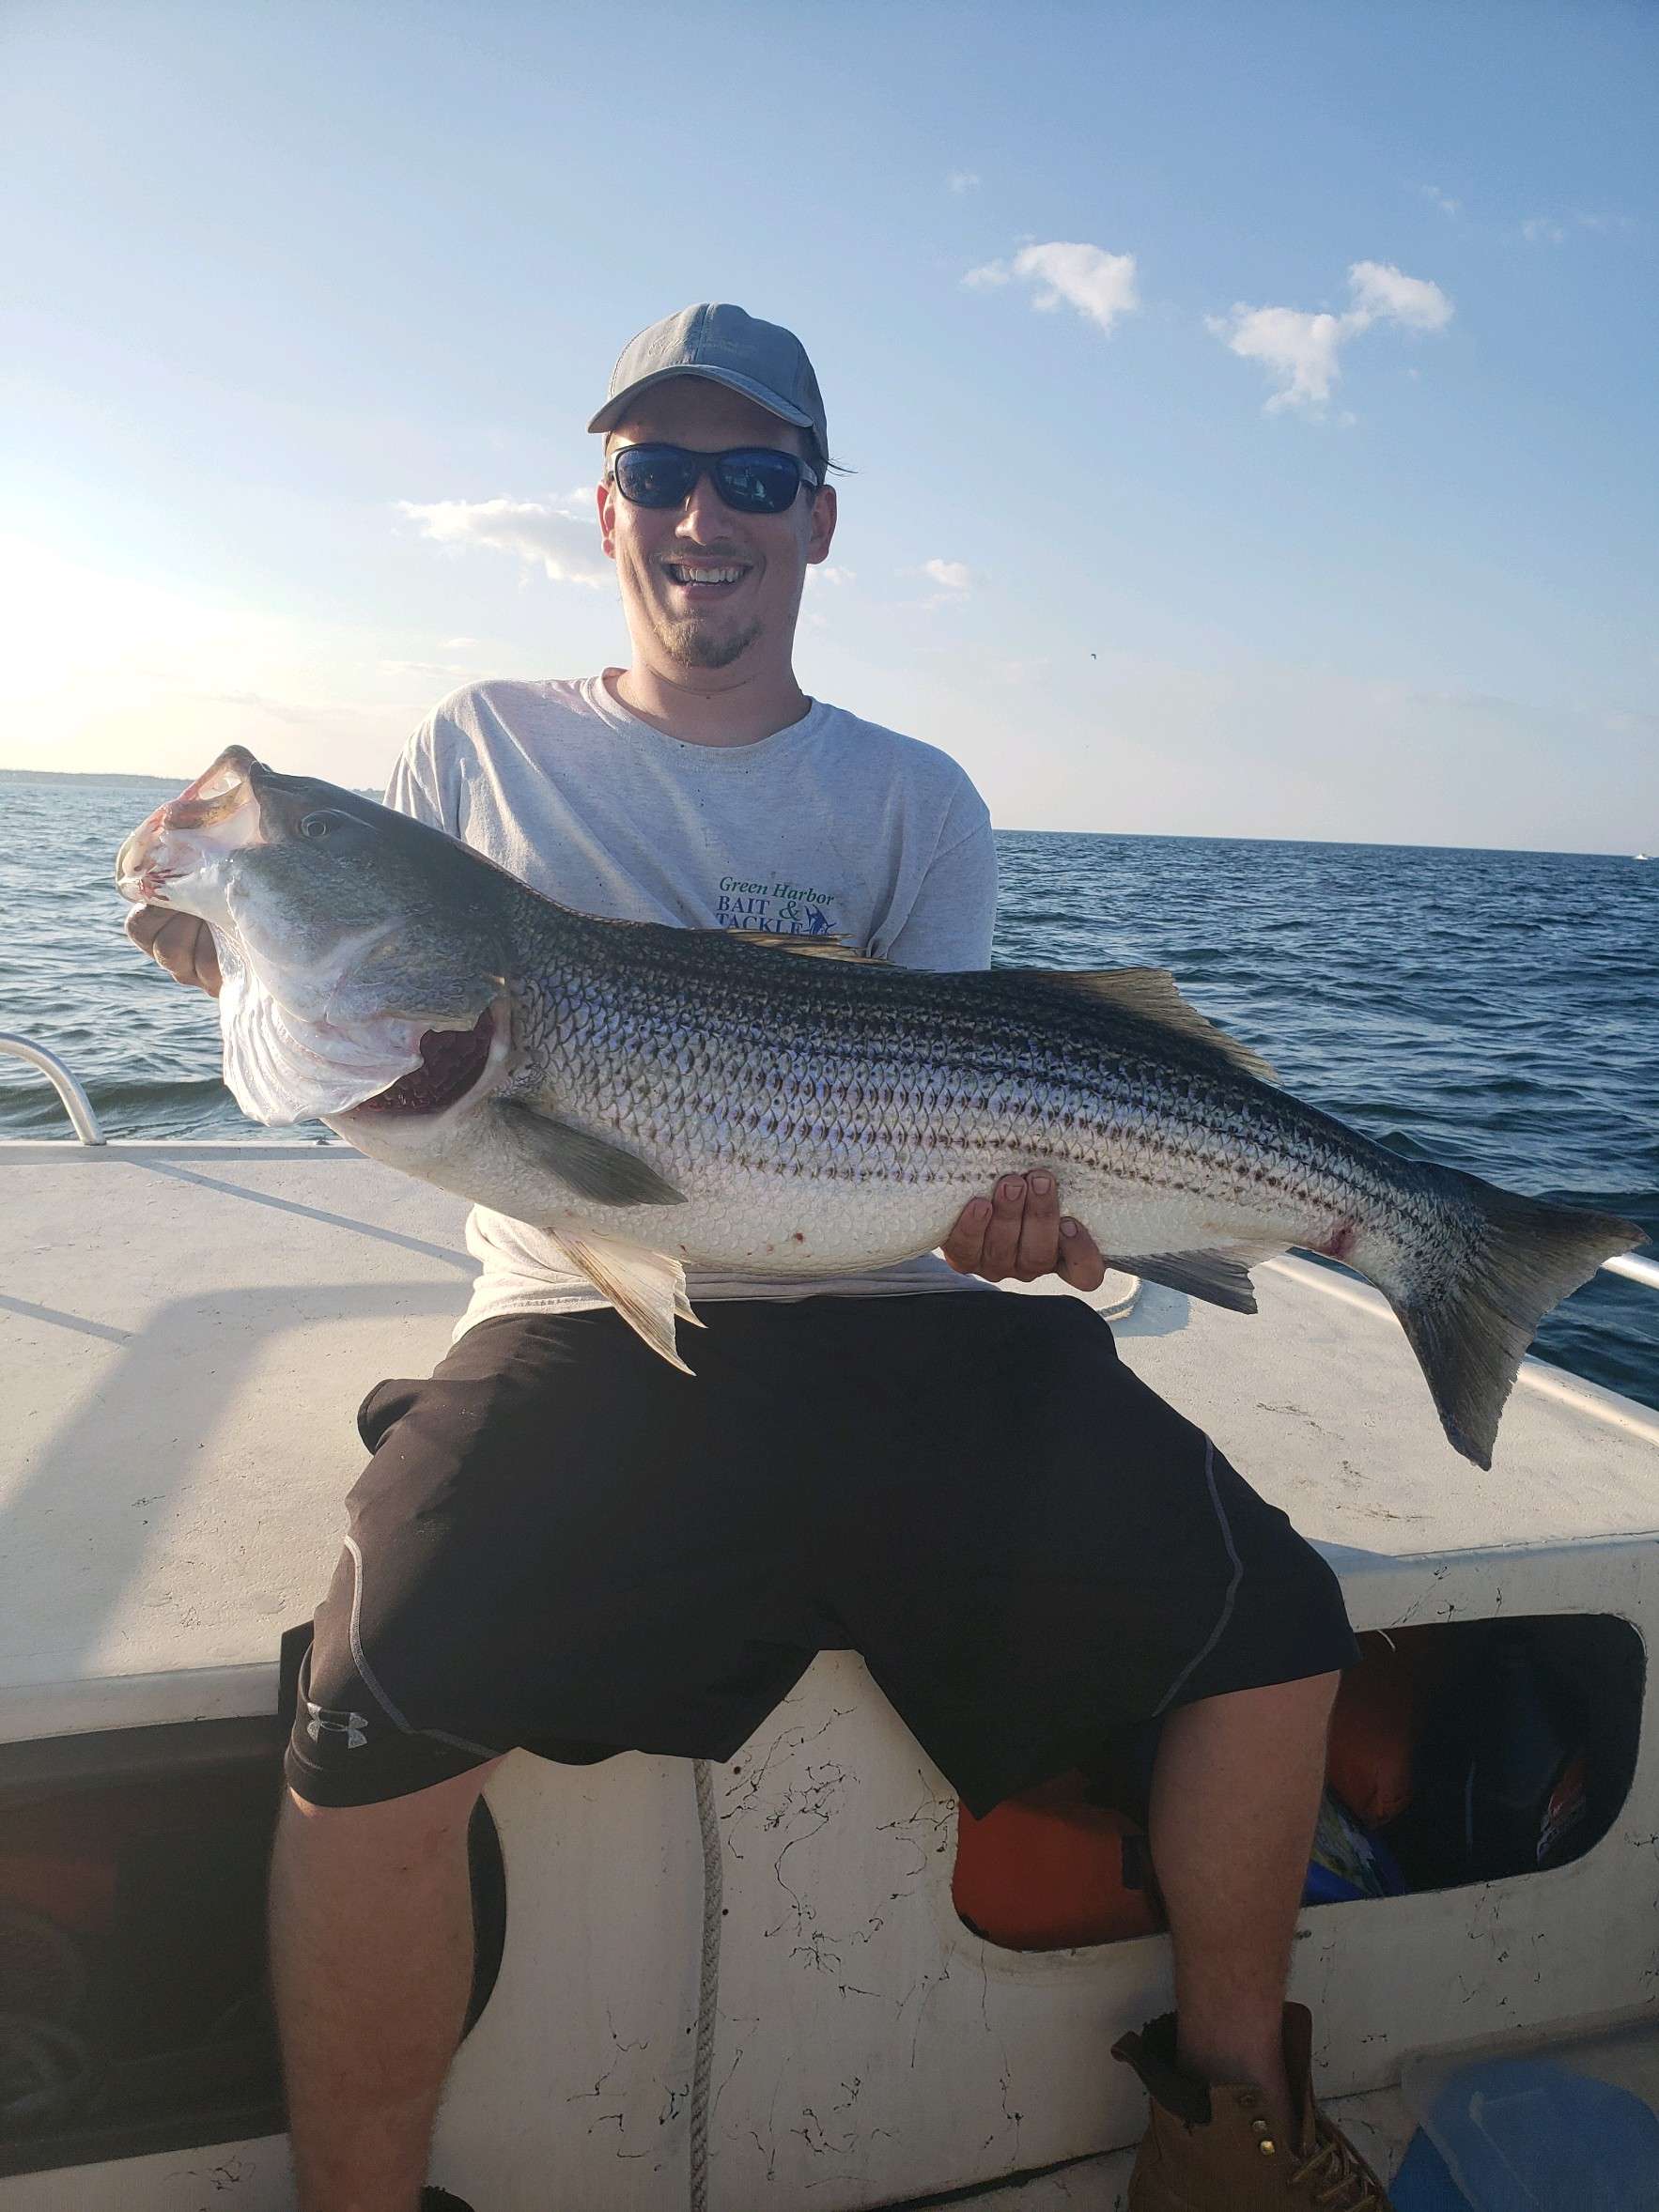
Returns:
(831, 826)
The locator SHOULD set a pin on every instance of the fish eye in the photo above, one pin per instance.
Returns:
(317, 826)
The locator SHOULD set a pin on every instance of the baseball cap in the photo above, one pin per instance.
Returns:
(762, 360)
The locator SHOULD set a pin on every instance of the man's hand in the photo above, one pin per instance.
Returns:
(1020, 1231)
(180, 943)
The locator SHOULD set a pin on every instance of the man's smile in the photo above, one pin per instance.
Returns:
(705, 579)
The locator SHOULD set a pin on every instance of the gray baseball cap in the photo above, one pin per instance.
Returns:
(762, 360)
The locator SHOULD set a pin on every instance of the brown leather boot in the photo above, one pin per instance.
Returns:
(1212, 2148)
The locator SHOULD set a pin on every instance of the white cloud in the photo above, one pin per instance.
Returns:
(962, 180)
(1100, 285)
(437, 670)
(1302, 351)
(559, 536)
(955, 580)
(1299, 349)
(300, 714)
(1382, 294)
(1446, 205)
(1552, 230)
(825, 572)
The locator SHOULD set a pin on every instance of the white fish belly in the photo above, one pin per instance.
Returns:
(807, 1227)
(823, 1217)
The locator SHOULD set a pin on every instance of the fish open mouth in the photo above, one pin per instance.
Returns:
(452, 1061)
(210, 820)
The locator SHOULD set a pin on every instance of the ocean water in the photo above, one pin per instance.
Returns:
(1495, 1010)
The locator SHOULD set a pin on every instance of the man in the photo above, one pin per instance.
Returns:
(519, 1569)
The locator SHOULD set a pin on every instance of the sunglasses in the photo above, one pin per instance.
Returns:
(753, 479)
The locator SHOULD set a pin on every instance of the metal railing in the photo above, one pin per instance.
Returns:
(75, 1102)
(79, 1108)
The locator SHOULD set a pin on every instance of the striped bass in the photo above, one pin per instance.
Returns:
(657, 1097)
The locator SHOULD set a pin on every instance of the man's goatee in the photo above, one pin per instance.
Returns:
(698, 645)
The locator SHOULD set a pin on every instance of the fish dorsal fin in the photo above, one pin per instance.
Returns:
(830, 948)
(1151, 995)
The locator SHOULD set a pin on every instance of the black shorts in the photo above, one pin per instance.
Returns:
(564, 1544)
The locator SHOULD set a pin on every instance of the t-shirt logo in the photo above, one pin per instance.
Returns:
(785, 909)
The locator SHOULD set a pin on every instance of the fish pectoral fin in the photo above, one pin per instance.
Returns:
(591, 1165)
(647, 1289)
(1152, 995)
(1217, 1277)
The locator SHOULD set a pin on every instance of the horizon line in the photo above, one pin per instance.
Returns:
(1007, 829)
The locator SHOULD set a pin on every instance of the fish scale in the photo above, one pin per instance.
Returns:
(938, 1084)
(657, 1098)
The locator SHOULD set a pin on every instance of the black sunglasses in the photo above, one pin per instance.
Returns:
(753, 478)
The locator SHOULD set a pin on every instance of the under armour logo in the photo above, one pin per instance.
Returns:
(351, 1726)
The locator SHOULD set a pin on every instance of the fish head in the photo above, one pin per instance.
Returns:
(347, 908)
(349, 932)
(177, 856)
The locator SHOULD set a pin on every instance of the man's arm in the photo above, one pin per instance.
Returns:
(416, 784)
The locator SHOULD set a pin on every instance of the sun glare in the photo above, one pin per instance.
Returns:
(101, 673)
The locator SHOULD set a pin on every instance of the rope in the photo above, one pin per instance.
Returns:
(708, 1982)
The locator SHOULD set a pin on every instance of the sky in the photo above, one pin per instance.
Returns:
(1250, 412)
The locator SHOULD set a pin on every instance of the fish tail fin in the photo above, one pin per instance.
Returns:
(1470, 1305)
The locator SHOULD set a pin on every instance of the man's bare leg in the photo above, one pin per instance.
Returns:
(1235, 1801)
(371, 1949)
